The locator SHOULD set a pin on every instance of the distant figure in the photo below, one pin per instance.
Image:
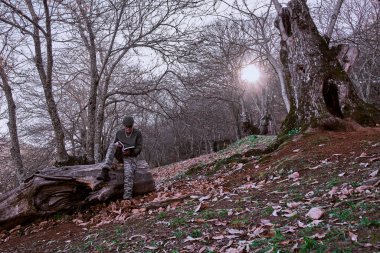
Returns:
(128, 141)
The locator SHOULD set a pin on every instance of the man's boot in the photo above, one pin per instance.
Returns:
(104, 175)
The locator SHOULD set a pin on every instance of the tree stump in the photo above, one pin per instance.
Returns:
(54, 189)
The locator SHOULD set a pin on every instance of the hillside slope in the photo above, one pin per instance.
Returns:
(317, 192)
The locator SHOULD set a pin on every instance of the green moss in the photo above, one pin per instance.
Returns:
(289, 123)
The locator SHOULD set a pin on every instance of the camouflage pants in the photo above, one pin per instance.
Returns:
(129, 169)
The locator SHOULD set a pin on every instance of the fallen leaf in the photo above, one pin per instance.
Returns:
(256, 231)
(103, 223)
(15, 229)
(151, 247)
(294, 248)
(265, 222)
(374, 173)
(342, 174)
(314, 223)
(374, 159)
(205, 198)
(219, 223)
(293, 204)
(191, 248)
(239, 166)
(289, 229)
(198, 207)
(309, 194)
(80, 222)
(319, 235)
(301, 224)
(289, 214)
(232, 250)
(235, 231)
(202, 249)
(362, 188)
(225, 247)
(137, 236)
(218, 237)
(353, 236)
(315, 167)
(315, 213)
(333, 191)
(232, 236)
(190, 239)
(294, 175)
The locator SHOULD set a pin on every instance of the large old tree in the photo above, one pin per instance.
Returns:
(322, 94)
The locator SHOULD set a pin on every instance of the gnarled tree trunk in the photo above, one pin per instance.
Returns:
(54, 189)
(321, 92)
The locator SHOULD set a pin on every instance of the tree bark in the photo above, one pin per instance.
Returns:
(12, 125)
(321, 92)
(54, 189)
(281, 76)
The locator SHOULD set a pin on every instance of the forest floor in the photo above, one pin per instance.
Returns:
(318, 192)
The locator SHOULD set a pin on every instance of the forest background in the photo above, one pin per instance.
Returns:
(71, 70)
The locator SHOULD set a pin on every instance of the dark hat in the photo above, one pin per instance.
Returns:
(128, 121)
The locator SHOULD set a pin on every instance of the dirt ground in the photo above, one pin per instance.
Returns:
(318, 192)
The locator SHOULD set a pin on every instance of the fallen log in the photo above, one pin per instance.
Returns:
(54, 189)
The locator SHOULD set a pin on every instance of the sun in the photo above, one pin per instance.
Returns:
(250, 73)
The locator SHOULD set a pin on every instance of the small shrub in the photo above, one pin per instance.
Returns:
(268, 211)
(162, 215)
(311, 245)
(343, 215)
(258, 242)
(176, 222)
(196, 233)
(179, 234)
(365, 222)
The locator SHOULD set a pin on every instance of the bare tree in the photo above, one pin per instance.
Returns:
(5, 85)
(256, 21)
(35, 20)
(215, 59)
(114, 37)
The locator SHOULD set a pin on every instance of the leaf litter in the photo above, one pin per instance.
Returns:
(242, 207)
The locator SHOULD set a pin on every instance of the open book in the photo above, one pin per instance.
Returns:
(125, 148)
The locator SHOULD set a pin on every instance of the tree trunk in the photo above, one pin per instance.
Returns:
(12, 125)
(334, 18)
(321, 92)
(45, 71)
(281, 77)
(54, 189)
